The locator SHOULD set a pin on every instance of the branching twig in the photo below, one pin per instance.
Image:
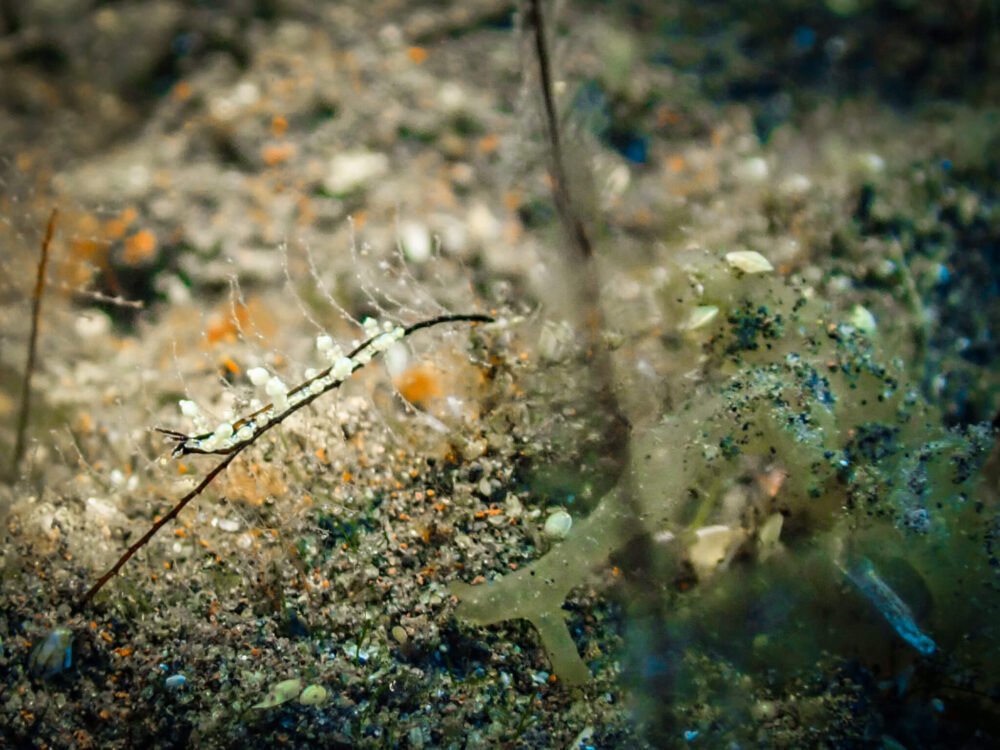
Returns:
(29, 367)
(187, 444)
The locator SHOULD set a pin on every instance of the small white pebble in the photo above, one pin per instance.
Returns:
(416, 241)
(748, 261)
(258, 376)
(189, 408)
(370, 326)
(354, 170)
(228, 524)
(870, 162)
(223, 432)
(795, 185)
(558, 524)
(324, 343)
(753, 170)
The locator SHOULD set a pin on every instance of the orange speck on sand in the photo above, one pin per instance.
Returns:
(420, 383)
(106, 636)
(489, 143)
(279, 126)
(115, 228)
(180, 532)
(512, 200)
(231, 366)
(276, 153)
(416, 54)
(346, 477)
(181, 91)
(123, 651)
(139, 248)
(675, 163)
(771, 481)
(182, 469)
(320, 454)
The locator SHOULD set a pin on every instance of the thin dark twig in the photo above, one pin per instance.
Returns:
(587, 288)
(586, 281)
(29, 367)
(174, 512)
(561, 188)
(240, 447)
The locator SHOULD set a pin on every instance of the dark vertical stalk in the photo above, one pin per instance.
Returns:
(29, 367)
(587, 287)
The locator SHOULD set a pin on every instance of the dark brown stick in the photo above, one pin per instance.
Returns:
(29, 367)
(586, 286)
(174, 512)
(561, 189)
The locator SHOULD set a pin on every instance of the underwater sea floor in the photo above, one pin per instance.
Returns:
(231, 185)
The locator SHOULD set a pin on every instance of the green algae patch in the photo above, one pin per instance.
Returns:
(788, 390)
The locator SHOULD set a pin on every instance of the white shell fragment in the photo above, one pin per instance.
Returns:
(558, 524)
(748, 261)
(769, 535)
(313, 695)
(281, 693)
(862, 319)
(700, 317)
(712, 547)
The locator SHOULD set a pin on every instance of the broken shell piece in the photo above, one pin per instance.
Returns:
(769, 534)
(558, 524)
(862, 319)
(281, 693)
(713, 546)
(54, 654)
(748, 261)
(700, 317)
(314, 695)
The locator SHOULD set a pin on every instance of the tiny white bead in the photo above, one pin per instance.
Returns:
(189, 408)
(258, 376)
(324, 343)
(342, 368)
(223, 432)
(275, 387)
